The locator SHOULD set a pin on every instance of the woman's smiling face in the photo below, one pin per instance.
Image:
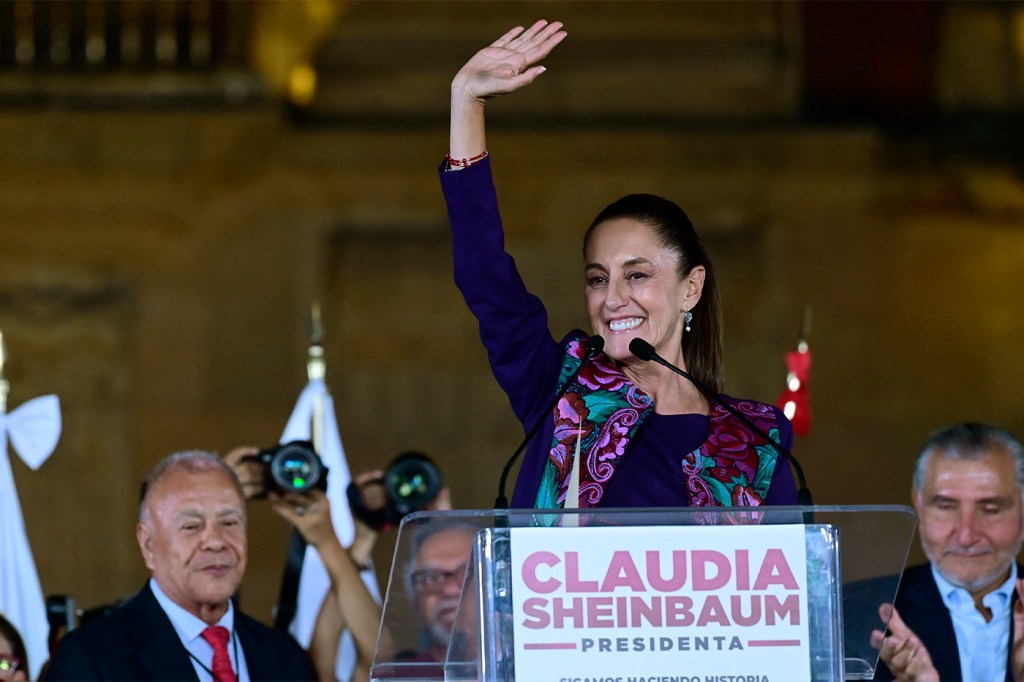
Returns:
(634, 290)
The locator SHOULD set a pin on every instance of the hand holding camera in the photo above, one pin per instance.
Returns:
(309, 513)
(292, 467)
(294, 477)
(412, 482)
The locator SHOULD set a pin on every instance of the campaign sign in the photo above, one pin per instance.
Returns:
(691, 603)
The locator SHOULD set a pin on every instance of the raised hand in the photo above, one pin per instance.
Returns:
(509, 63)
(504, 66)
(250, 472)
(310, 513)
(902, 650)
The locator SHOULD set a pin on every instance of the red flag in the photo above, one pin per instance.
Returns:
(794, 399)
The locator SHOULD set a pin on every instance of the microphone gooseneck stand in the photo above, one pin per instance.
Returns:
(645, 351)
(594, 346)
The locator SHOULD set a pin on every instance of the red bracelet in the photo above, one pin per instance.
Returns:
(464, 163)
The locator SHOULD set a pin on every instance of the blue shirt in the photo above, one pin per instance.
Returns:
(984, 647)
(190, 629)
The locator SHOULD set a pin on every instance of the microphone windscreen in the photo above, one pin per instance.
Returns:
(642, 349)
(594, 346)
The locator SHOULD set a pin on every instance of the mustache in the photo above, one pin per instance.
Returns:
(967, 551)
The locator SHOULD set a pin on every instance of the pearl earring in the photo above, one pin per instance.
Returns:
(687, 319)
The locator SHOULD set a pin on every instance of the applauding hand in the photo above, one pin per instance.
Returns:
(902, 650)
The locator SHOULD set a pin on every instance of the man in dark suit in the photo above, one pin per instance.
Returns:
(182, 625)
(959, 617)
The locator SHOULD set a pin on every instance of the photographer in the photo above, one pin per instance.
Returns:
(379, 499)
(348, 604)
(375, 510)
(412, 482)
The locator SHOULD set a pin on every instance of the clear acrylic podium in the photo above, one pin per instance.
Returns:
(854, 556)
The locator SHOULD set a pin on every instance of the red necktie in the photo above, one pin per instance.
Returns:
(218, 637)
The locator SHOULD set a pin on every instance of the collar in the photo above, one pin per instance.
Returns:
(189, 626)
(957, 598)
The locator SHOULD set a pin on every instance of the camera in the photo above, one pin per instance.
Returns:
(292, 467)
(410, 483)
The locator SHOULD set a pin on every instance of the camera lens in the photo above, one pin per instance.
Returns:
(296, 468)
(413, 480)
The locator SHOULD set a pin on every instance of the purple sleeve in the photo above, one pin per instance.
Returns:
(523, 355)
(782, 490)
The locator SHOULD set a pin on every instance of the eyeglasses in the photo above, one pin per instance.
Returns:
(432, 581)
(8, 664)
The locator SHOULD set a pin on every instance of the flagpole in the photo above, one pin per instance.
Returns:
(805, 330)
(5, 386)
(306, 577)
(316, 370)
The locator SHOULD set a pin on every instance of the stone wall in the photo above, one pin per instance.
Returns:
(158, 265)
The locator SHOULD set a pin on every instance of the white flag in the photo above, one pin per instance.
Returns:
(314, 582)
(33, 430)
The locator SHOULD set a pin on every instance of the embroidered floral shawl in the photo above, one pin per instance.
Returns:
(733, 467)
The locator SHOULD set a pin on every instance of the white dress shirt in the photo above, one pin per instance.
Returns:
(984, 647)
(190, 630)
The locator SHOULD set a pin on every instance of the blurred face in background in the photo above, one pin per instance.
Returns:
(437, 577)
(11, 667)
(971, 519)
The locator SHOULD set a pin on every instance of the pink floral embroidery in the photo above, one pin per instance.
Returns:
(571, 410)
(598, 375)
(611, 444)
(700, 494)
(570, 413)
(725, 465)
(744, 497)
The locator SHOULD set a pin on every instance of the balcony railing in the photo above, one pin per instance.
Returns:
(152, 51)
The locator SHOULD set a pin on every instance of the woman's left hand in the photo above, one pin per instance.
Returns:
(509, 63)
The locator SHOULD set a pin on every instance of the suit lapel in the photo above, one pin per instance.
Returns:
(933, 623)
(160, 649)
(1013, 602)
(259, 656)
(927, 615)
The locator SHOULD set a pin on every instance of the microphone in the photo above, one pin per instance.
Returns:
(645, 351)
(594, 346)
